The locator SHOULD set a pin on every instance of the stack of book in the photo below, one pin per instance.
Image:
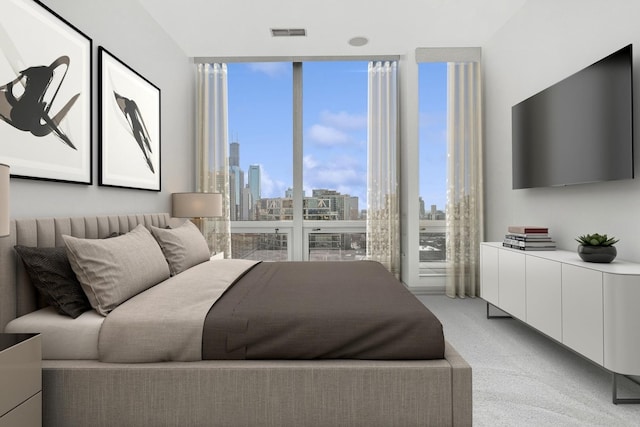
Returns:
(528, 238)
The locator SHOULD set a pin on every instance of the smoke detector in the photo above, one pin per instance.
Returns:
(358, 41)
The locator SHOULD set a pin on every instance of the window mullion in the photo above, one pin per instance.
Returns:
(298, 237)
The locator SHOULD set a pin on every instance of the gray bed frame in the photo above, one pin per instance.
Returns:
(226, 393)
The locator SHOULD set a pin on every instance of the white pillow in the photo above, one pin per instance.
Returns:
(113, 270)
(183, 246)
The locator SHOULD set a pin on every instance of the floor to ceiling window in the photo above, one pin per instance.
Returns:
(298, 160)
(432, 99)
(448, 215)
(260, 140)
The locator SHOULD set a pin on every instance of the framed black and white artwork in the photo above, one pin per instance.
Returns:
(129, 126)
(45, 94)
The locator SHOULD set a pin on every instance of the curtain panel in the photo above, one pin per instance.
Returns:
(383, 212)
(464, 210)
(212, 166)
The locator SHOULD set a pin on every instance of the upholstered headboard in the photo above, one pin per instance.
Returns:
(17, 296)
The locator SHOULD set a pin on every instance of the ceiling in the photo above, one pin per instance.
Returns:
(241, 28)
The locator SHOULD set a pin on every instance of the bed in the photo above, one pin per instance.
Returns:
(270, 388)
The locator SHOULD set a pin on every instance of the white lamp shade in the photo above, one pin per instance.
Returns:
(196, 205)
(4, 200)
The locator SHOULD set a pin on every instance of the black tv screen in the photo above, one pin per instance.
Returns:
(579, 130)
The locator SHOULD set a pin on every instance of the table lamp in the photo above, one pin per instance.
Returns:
(197, 206)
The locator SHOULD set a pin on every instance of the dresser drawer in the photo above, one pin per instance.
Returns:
(28, 414)
(20, 370)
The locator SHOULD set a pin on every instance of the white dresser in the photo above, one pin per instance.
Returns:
(20, 380)
(592, 308)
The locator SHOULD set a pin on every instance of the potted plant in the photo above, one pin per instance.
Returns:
(597, 248)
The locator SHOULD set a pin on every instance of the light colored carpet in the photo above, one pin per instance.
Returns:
(523, 378)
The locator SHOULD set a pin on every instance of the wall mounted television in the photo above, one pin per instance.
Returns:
(579, 130)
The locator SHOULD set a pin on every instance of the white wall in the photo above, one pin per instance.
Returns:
(128, 32)
(545, 42)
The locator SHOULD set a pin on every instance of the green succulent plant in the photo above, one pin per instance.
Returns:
(597, 240)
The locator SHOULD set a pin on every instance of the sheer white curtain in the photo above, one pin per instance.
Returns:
(212, 164)
(383, 213)
(464, 223)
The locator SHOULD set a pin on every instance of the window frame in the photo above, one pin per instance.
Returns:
(418, 283)
(298, 228)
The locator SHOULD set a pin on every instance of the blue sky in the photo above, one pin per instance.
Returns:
(432, 96)
(334, 126)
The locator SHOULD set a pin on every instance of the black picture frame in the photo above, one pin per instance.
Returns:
(45, 94)
(129, 106)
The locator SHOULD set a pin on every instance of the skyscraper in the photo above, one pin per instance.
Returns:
(246, 212)
(236, 184)
(234, 154)
(236, 181)
(254, 182)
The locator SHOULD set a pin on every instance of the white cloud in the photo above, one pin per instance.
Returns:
(333, 177)
(343, 120)
(343, 174)
(346, 161)
(270, 187)
(271, 69)
(336, 129)
(326, 135)
(308, 162)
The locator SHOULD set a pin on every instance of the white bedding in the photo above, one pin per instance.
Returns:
(62, 336)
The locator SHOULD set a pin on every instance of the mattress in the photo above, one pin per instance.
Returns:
(63, 338)
(238, 309)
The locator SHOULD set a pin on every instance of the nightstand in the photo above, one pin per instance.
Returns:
(217, 255)
(20, 380)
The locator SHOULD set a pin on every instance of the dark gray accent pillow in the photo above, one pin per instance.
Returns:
(51, 274)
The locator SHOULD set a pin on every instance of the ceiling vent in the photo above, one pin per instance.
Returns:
(288, 32)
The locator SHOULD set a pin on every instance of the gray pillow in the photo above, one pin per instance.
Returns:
(51, 274)
(113, 270)
(183, 246)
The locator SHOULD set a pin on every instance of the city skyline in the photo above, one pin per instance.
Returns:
(237, 180)
(247, 203)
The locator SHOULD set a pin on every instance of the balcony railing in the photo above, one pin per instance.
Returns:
(325, 243)
(260, 246)
(433, 248)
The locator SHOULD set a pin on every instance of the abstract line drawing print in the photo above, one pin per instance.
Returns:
(25, 102)
(138, 129)
(45, 94)
(129, 126)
